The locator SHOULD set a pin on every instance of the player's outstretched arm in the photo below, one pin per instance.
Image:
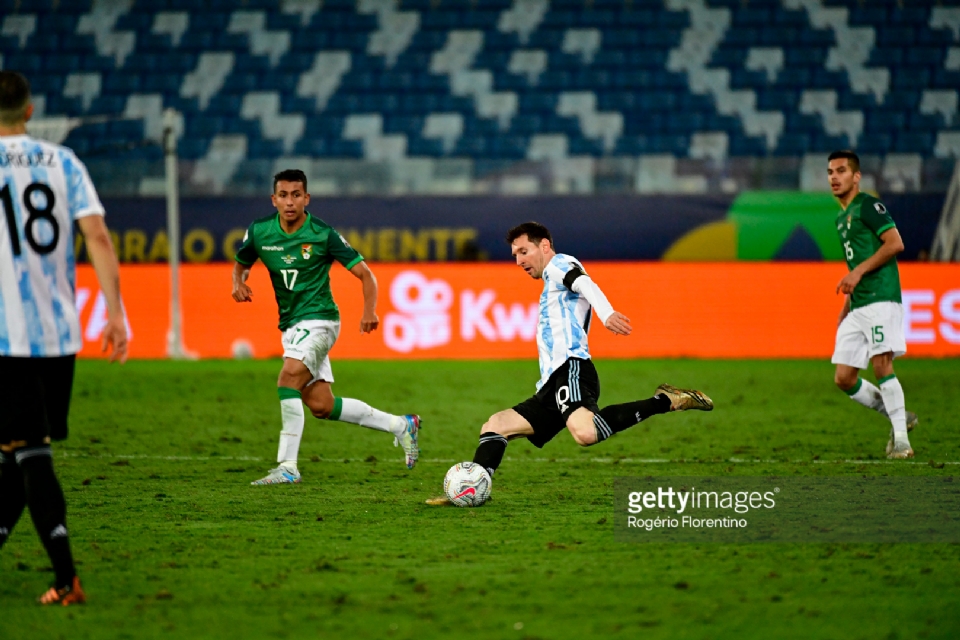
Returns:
(369, 322)
(612, 320)
(104, 259)
(892, 245)
(241, 292)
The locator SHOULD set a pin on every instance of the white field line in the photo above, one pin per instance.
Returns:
(511, 459)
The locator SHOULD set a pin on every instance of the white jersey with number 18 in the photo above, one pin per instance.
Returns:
(43, 189)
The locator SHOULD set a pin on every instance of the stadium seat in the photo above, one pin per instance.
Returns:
(505, 80)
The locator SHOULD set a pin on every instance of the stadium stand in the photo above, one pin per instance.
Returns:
(497, 81)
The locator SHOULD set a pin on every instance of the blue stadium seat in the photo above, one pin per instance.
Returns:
(473, 126)
(792, 144)
(108, 105)
(915, 79)
(870, 16)
(47, 84)
(926, 122)
(676, 144)
(203, 126)
(884, 121)
(875, 143)
(579, 146)
(916, 15)
(944, 79)
(224, 104)
(97, 63)
(239, 83)
(309, 146)
(121, 83)
(44, 42)
(475, 146)
(747, 146)
(616, 101)
(59, 23)
(125, 130)
(419, 147)
(632, 145)
(895, 35)
(28, 64)
(507, 146)
(140, 22)
(78, 44)
(198, 41)
(261, 148)
(747, 79)
(913, 142)
(628, 74)
(930, 56)
(346, 149)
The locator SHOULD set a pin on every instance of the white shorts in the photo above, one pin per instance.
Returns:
(868, 331)
(310, 342)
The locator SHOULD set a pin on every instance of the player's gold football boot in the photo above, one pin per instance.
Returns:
(439, 501)
(66, 596)
(912, 421)
(685, 399)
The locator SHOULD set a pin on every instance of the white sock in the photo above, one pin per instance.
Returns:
(361, 413)
(291, 415)
(868, 395)
(893, 400)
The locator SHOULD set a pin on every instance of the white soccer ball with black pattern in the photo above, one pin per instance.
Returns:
(467, 484)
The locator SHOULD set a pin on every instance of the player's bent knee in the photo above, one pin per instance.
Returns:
(321, 407)
(494, 424)
(845, 382)
(583, 434)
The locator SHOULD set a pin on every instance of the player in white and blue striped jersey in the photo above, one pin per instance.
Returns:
(44, 189)
(569, 389)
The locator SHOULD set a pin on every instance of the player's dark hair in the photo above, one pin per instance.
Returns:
(534, 231)
(290, 175)
(852, 159)
(14, 97)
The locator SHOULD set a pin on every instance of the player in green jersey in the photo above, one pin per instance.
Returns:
(870, 329)
(298, 250)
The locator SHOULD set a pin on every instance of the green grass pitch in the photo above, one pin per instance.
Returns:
(172, 542)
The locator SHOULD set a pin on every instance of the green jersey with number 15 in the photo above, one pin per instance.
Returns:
(299, 265)
(860, 227)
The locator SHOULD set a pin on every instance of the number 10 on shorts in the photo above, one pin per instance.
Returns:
(877, 333)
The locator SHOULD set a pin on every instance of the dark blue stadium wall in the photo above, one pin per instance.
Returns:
(472, 228)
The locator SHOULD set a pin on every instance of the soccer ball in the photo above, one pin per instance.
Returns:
(467, 484)
(241, 349)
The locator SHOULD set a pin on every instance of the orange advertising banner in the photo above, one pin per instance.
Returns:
(489, 310)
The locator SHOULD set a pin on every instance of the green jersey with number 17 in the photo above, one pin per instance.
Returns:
(860, 226)
(299, 265)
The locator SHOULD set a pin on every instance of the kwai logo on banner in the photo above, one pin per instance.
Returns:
(422, 319)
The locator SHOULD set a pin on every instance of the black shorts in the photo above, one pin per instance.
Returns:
(34, 399)
(575, 384)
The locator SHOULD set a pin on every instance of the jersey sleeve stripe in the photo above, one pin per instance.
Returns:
(884, 228)
(353, 263)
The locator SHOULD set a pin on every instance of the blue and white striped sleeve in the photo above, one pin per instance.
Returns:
(82, 196)
(558, 268)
